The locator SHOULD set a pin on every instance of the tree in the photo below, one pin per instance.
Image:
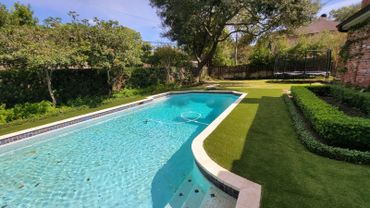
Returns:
(4, 15)
(343, 13)
(147, 52)
(199, 26)
(22, 15)
(35, 48)
(224, 54)
(113, 47)
(167, 57)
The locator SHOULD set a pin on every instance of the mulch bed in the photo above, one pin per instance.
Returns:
(347, 109)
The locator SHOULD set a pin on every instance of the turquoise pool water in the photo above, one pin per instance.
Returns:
(135, 158)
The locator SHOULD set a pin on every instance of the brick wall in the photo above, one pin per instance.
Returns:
(358, 64)
(365, 2)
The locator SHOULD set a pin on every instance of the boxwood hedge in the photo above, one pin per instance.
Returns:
(315, 146)
(333, 126)
(349, 96)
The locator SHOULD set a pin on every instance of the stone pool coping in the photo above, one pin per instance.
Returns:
(248, 193)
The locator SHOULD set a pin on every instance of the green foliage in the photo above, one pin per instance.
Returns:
(224, 54)
(113, 46)
(343, 13)
(4, 113)
(261, 55)
(22, 15)
(322, 41)
(126, 92)
(20, 86)
(333, 126)
(167, 56)
(147, 49)
(315, 146)
(4, 15)
(352, 97)
(25, 111)
(145, 77)
(19, 15)
(199, 26)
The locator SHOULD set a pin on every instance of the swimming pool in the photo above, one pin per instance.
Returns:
(138, 157)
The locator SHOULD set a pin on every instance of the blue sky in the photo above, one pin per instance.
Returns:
(136, 14)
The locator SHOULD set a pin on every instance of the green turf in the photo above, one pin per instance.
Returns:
(21, 125)
(257, 141)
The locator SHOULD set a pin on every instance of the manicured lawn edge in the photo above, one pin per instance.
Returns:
(313, 145)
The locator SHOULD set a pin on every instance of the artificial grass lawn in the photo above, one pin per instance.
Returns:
(17, 126)
(257, 141)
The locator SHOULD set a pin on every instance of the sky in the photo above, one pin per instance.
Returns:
(136, 14)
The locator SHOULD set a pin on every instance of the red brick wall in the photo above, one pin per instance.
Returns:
(365, 2)
(358, 64)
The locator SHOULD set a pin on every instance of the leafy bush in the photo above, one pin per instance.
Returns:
(126, 92)
(28, 110)
(352, 97)
(4, 113)
(25, 111)
(313, 145)
(333, 126)
(145, 77)
(322, 90)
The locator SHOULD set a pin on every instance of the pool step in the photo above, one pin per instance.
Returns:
(195, 198)
(188, 195)
(215, 198)
(196, 192)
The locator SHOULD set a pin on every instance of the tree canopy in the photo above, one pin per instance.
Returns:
(343, 13)
(199, 26)
(26, 45)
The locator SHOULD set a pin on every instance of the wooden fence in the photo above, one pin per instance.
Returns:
(241, 72)
(307, 64)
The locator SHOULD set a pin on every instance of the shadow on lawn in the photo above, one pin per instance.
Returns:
(261, 145)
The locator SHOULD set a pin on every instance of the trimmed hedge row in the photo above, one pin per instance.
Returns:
(333, 126)
(352, 97)
(313, 145)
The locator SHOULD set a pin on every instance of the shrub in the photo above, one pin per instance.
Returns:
(126, 92)
(315, 146)
(145, 77)
(321, 90)
(352, 97)
(29, 110)
(4, 113)
(333, 126)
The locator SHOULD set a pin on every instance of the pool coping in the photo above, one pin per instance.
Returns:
(249, 192)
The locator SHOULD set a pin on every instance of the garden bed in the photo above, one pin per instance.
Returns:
(349, 100)
(345, 108)
(333, 126)
(311, 140)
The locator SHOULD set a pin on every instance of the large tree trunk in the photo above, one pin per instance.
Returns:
(109, 82)
(168, 74)
(203, 62)
(50, 89)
